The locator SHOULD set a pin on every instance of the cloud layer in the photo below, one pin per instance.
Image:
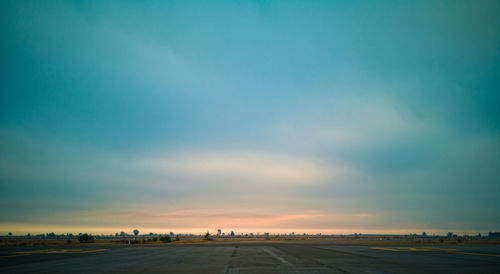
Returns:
(283, 116)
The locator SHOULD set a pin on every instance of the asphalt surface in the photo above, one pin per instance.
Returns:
(306, 257)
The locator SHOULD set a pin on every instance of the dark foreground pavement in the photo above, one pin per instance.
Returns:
(305, 257)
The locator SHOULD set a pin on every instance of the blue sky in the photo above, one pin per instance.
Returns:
(281, 116)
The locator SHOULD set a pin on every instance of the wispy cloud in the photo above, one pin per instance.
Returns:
(242, 166)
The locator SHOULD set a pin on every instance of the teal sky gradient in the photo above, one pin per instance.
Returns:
(253, 116)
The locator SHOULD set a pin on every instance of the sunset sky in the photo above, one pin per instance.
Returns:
(252, 116)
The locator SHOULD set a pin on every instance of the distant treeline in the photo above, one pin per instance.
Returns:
(53, 235)
(494, 234)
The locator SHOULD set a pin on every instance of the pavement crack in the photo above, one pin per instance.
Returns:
(234, 251)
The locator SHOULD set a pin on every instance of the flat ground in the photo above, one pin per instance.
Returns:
(253, 257)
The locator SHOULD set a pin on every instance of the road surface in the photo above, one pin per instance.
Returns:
(257, 257)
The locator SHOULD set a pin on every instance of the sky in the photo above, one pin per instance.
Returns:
(254, 116)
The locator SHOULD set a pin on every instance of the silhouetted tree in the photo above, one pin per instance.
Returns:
(122, 234)
(207, 236)
(136, 232)
(85, 238)
(232, 233)
(10, 233)
(165, 239)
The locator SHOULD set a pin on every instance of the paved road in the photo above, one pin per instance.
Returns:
(308, 257)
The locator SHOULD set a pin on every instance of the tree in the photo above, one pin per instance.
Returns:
(122, 234)
(10, 233)
(232, 233)
(166, 239)
(207, 236)
(85, 238)
(136, 232)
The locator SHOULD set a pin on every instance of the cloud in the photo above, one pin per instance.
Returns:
(354, 121)
(244, 165)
